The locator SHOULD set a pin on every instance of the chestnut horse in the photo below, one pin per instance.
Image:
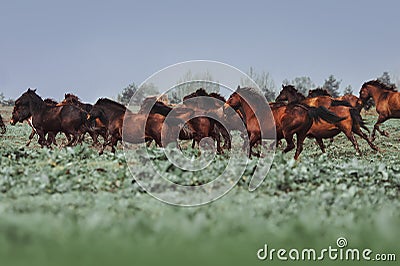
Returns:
(139, 128)
(351, 123)
(387, 102)
(282, 122)
(297, 119)
(353, 100)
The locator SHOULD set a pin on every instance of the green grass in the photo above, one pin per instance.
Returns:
(73, 207)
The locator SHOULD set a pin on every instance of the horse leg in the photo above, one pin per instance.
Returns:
(321, 144)
(353, 140)
(193, 143)
(33, 132)
(253, 140)
(381, 119)
(358, 131)
(300, 141)
(289, 142)
(114, 142)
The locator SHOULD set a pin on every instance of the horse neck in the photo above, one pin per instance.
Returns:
(37, 106)
(246, 111)
(294, 98)
(375, 93)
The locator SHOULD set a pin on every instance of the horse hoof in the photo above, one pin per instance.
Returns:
(386, 134)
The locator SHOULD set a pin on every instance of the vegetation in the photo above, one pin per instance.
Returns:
(69, 206)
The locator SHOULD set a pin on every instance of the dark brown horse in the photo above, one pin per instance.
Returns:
(387, 102)
(351, 123)
(96, 128)
(48, 119)
(199, 124)
(138, 128)
(2, 126)
(214, 111)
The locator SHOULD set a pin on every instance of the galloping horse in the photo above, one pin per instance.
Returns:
(351, 123)
(387, 102)
(197, 124)
(97, 128)
(139, 128)
(353, 100)
(48, 119)
(2, 126)
(297, 119)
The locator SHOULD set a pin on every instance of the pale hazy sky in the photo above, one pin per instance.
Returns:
(95, 48)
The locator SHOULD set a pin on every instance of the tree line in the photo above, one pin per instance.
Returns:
(263, 79)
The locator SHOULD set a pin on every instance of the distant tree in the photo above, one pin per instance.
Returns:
(386, 79)
(332, 86)
(189, 83)
(264, 81)
(4, 101)
(348, 90)
(146, 90)
(125, 96)
(302, 84)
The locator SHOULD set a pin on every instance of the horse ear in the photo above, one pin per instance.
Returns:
(283, 86)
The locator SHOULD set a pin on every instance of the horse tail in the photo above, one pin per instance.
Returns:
(355, 115)
(317, 113)
(340, 103)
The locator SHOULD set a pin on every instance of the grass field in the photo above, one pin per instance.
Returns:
(70, 206)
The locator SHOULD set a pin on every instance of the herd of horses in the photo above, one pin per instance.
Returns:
(209, 115)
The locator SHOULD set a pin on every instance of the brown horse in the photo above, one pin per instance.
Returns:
(48, 119)
(297, 119)
(214, 111)
(96, 128)
(387, 102)
(353, 100)
(351, 123)
(138, 127)
(197, 123)
(253, 107)
(2, 126)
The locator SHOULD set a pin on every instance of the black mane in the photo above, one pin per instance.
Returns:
(380, 85)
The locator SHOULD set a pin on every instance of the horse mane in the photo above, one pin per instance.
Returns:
(292, 89)
(249, 93)
(50, 101)
(197, 93)
(380, 85)
(318, 92)
(217, 96)
(32, 94)
(106, 101)
(71, 96)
